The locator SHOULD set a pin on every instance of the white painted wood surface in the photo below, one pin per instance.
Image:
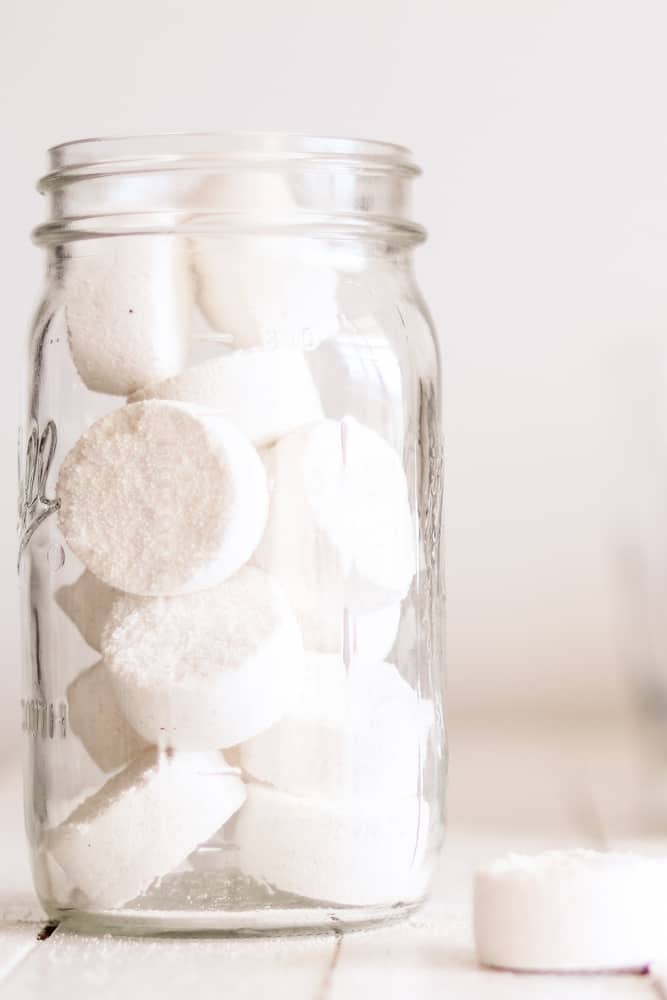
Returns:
(524, 788)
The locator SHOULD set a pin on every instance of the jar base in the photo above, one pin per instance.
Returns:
(200, 904)
(233, 923)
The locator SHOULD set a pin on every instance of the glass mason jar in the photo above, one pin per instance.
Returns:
(229, 514)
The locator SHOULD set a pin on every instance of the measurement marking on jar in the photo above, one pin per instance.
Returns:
(45, 719)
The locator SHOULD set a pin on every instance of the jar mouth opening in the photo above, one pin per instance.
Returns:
(161, 182)
(205, 150)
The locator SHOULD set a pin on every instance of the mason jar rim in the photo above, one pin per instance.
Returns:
(108, 154)
(94, 159)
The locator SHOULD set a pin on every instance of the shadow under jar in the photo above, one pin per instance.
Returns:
(230, 512)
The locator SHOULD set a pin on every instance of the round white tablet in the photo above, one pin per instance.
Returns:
(340, 531)
(128, 301)
(209, 669)
(334, 851)
(94, 716)
(570, 911)
(358, 732)
(162, 498)
(143, 823)
(273, 291)
(265, 393)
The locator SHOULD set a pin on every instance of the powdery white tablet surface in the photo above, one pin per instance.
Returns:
(570, 911)
(87, 603)
(143, 823)
(94, 716)
(128, 302)
(358, 732)
(357, 853)
(162, 498)
(209, 669)
(273, 291)
(340, 531)
(265, 393)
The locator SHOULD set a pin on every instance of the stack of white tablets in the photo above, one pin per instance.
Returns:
(340, 788)
(352, 733)
(245, 559)
(143, 822)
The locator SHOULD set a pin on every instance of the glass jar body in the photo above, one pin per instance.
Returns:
(230, 495)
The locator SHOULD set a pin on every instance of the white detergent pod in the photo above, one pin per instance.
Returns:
(94, 716)
(270, 291)
(143, 823)
(357, 853)
(128, 301)
(162, 498)
(340, 531)
(209, 669)
(265, 393)
(358, 732)
(87, 603)
(570, 911)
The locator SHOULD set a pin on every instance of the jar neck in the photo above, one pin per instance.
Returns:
(230, 184)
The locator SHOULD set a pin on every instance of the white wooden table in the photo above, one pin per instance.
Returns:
(522, 788)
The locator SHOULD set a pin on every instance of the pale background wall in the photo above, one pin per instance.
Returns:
(540, 125)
